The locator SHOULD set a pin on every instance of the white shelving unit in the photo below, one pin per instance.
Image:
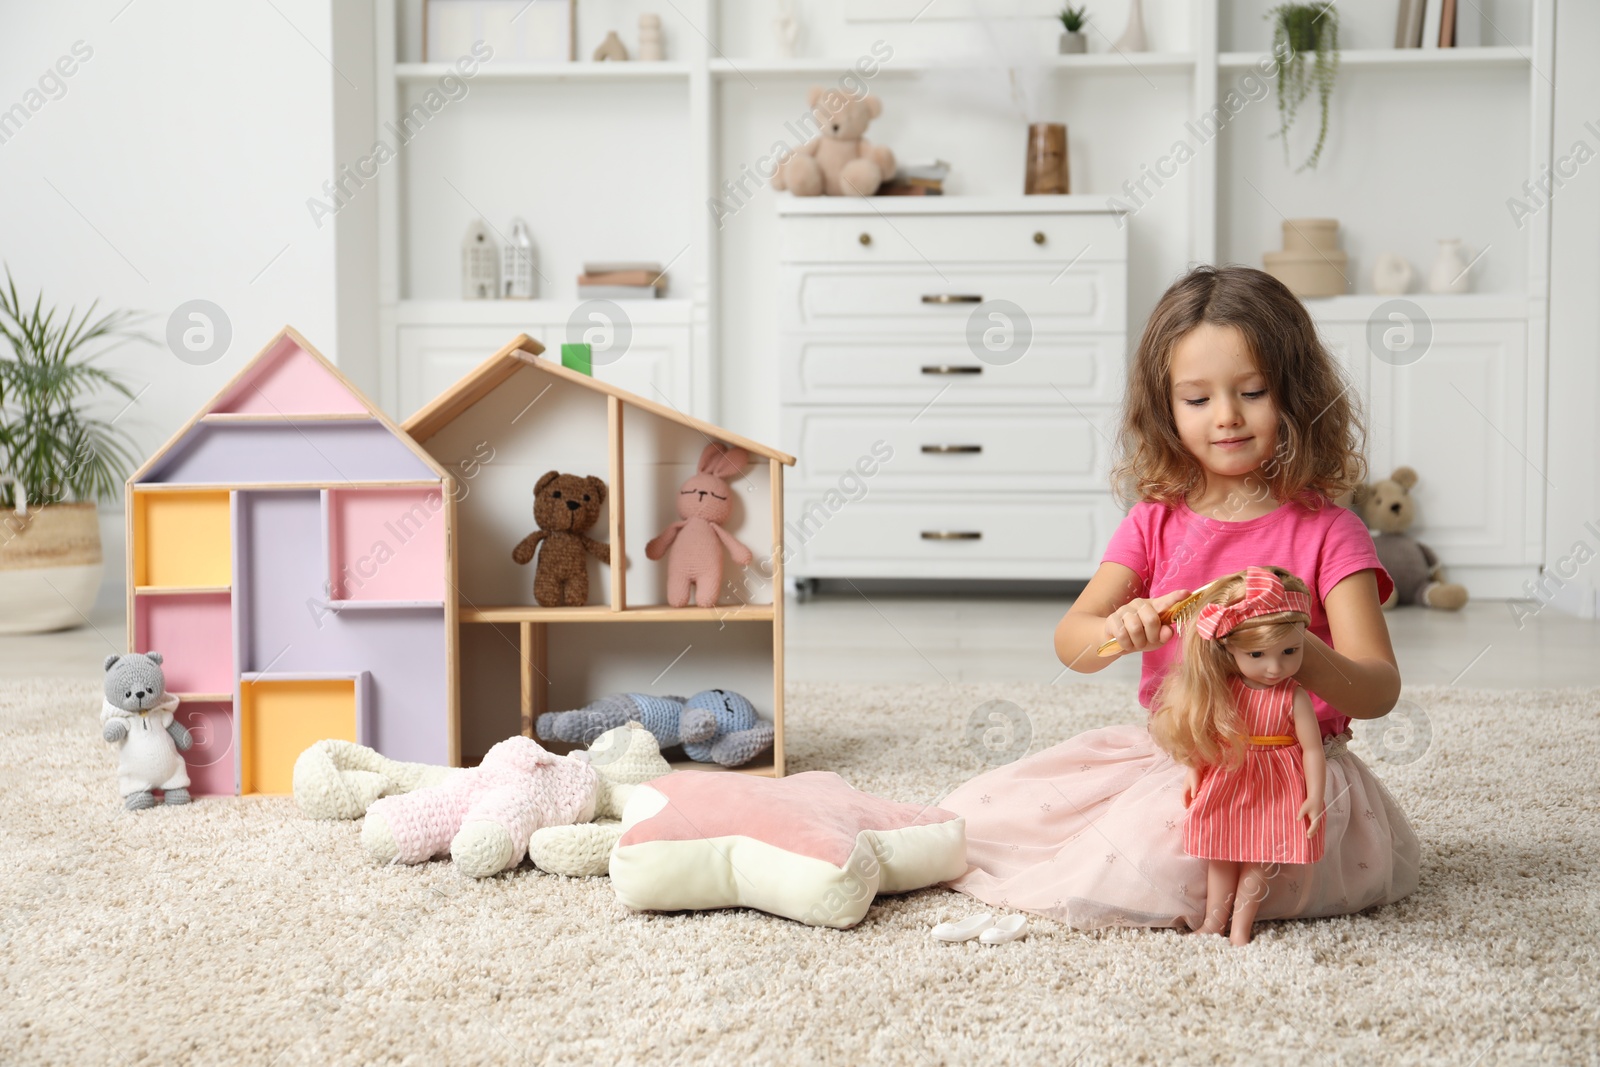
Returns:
(662, 161)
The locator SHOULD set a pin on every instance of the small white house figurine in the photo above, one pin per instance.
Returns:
(650, 38)
(480, 263)
(519, 266)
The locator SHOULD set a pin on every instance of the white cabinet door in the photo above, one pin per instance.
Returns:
(1458, 415)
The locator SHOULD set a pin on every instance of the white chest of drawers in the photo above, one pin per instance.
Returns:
(951, 370)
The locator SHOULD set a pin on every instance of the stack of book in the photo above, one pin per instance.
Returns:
(621, 281)
(1438, 24)
(917, 179)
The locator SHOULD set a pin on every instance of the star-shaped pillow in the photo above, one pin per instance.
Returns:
(807, 847)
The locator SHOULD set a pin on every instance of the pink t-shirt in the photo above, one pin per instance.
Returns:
(1174, 548)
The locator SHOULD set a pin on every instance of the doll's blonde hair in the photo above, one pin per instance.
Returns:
(1194, 716)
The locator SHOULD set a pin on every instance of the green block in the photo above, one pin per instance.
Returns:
(577, 357)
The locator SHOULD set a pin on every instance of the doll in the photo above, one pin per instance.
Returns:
(1232, 713)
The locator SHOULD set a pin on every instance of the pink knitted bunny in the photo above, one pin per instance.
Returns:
(705, 502)
(483, 815)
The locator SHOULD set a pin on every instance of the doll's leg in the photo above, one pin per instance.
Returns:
(1252, 891)
(1222, 881)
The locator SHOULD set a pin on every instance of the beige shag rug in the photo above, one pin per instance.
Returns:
(236, 932)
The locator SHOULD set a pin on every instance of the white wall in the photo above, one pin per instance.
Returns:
(174, 165)
(1573, 452)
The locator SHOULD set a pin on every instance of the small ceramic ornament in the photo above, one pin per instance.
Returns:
(1449, 273)
(1392, 274)
(650, 38)
(480, 263)
(1133, 39)
(787, 28)
(611, 49)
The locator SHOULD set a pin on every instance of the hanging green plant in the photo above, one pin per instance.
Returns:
(1305, 40)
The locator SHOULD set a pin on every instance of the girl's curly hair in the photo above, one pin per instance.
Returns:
(1321, 435)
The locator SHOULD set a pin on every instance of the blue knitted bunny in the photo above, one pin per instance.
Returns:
(716, 726)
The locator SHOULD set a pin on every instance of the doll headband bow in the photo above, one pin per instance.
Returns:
(1264, 594)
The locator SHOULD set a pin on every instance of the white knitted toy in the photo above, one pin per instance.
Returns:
(624, 757)
(341, 779)
(138, 718)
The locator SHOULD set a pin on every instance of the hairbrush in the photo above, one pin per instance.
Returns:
(1176, 615)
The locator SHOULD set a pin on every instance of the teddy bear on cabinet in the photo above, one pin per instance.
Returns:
(839, 161)
(565, 506)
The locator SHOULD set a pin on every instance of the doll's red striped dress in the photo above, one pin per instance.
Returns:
(1251, 813)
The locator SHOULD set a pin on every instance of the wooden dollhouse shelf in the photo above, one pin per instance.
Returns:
(761, 766)
(602, 613)
(198, 698)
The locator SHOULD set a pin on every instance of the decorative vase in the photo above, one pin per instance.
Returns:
(1074, 43)
(50, 567)
(1047, 159)
(1132, 39)
(650, 49)
(1392, 274)
(1311, 263)
(786, 27)
(1449, 273)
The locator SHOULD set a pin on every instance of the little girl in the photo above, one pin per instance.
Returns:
(1231, 713)
(1237, 434)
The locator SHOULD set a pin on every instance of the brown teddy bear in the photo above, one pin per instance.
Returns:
(564, 506)
(1386, 506)
(839, 161)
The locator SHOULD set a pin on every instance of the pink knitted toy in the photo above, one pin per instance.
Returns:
(484, 815)
(705, 502)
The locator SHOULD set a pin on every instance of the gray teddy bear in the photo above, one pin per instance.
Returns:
(138, 719)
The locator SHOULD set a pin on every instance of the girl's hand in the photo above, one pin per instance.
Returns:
(1191, 785)
(1312, 811)
(1137, 625)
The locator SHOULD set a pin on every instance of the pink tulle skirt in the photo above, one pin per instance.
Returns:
(1090, 832)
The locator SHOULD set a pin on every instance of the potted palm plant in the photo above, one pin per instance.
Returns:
(1305, 40)
(1072, 19)
(56, 459)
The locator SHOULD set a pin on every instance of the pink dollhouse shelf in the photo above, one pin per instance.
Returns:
(386, 605)
(237, 417)
(289, 381)
(602, 613)
(181, 590)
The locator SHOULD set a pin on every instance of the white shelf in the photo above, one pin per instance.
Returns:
(1505, 56)
(546, 72)
(823, 67)
(519, 313)
(1357, 307)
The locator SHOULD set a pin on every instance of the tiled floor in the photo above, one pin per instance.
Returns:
(855, 637)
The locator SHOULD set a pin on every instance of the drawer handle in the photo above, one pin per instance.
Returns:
(865, 238)
(946, 368)
(952, 450)
(1038, 237)
(952, 535)
(951, 298)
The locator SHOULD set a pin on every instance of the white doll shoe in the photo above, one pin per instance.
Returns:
(964, 930)
(1011, 928)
